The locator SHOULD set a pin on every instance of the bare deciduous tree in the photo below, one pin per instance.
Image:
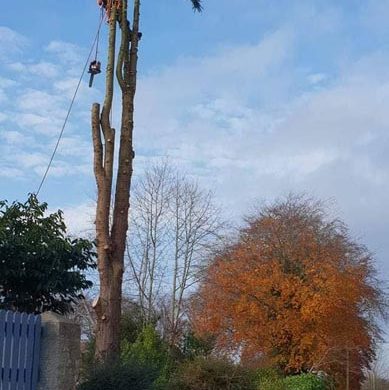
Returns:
(174, 225)
(377, 377)
(149, 236)
(196, 224)
(84, 315)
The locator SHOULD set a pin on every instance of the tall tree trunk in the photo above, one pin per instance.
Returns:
(111, 240)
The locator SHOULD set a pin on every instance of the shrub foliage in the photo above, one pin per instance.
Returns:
(41, 268)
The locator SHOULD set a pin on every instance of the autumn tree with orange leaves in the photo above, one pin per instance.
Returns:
(294, 291)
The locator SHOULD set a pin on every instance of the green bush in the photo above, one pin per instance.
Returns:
(145, 362)
(211, 374)
(305, 382)
(269, 379)
(194, 346)
(131, 323)
(148, 347)
(151, 351)
(88, 360)
(119, 377)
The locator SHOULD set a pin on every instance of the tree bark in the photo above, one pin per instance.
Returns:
(111, 240)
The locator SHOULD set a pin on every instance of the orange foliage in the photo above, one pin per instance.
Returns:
(296, 292)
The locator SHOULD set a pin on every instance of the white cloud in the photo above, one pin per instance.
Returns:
(8, 172)
(7, 83)
(317, 78)
(75, 146)
(32, 160)
(38, 100)
(13, 137)
(40, 124)
(68, 86)
(42, 69)
(80, 219)
(3, 96)
(67, 53)
(62, 168)
(40, 111)
(36, 113)
(11, 42)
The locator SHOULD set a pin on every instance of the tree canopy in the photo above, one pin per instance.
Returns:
(41, 268)
(295, 291)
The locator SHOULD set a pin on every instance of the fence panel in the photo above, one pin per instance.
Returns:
(19, 350)
(15, 349)
(7, 354)
(36, 355)
(22, 351)
(2, 341)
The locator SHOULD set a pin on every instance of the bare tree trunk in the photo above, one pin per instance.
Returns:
(111, 240)
(196, 224)
(173, 227)
(148, 237)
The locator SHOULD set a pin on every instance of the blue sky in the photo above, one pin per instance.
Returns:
(253, 98)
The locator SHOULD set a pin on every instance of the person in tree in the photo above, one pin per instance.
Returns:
(107, 5)
(102, 3)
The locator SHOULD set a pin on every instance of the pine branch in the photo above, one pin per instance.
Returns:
(197, 6)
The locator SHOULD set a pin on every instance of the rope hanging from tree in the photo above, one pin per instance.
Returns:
(94, 45)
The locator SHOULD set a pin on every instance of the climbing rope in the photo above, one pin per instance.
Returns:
(94, 45)
(97, 40)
